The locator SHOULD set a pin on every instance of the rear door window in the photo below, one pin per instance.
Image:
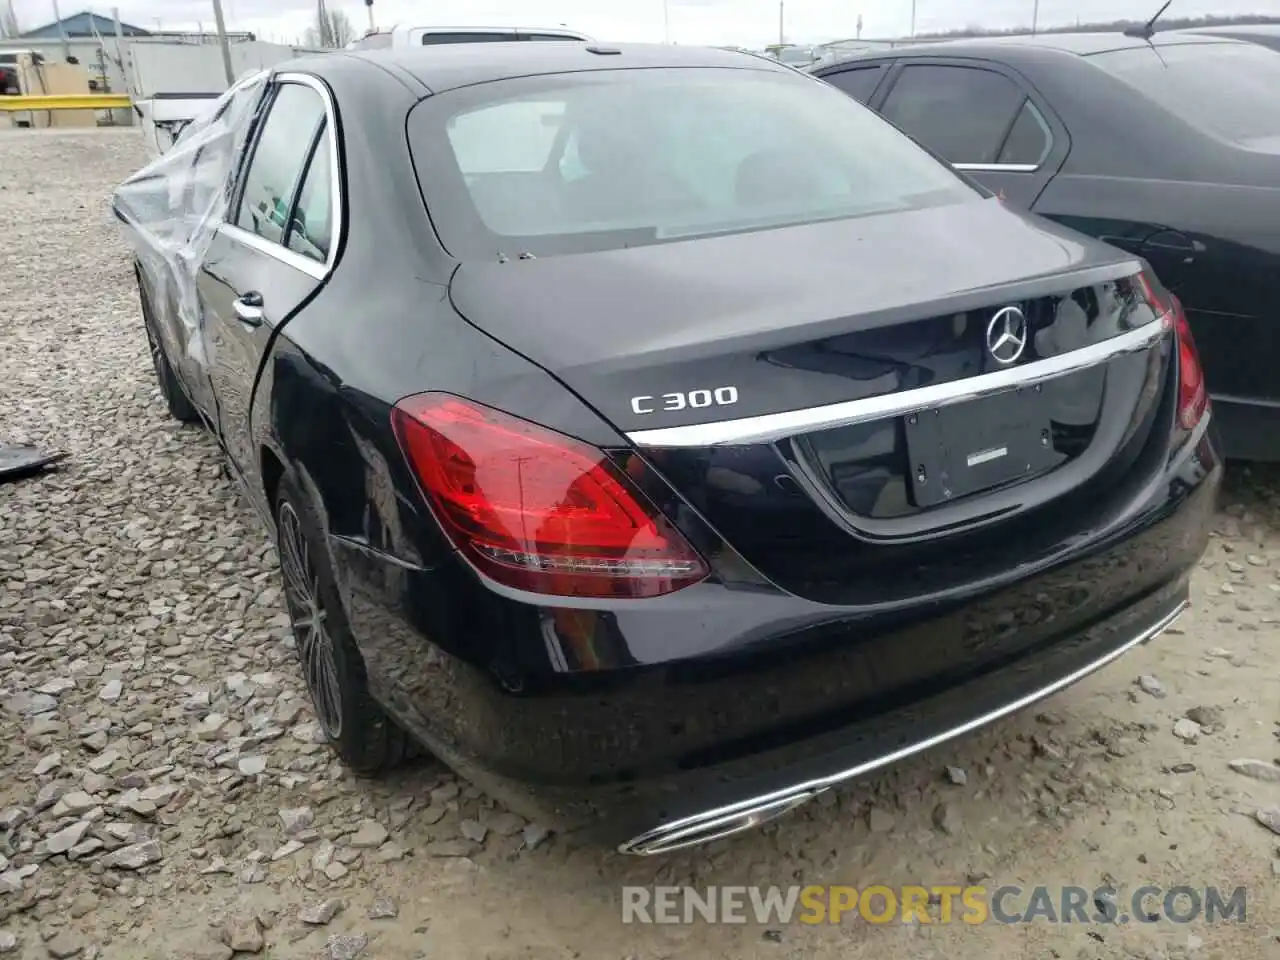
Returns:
(1029, 141)
(859, 83)
(278, 158)
(311, 230)
(963, 113)
(548, 36)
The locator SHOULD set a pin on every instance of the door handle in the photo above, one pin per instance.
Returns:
(1172, 243)
(248, 309)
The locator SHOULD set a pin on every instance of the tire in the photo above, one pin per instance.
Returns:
(175, 398)
(367, 740)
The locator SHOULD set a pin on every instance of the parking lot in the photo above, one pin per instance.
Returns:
(155, 727)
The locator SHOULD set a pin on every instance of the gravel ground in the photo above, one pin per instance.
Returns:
(165, 794)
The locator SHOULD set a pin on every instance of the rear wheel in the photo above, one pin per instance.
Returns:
(175, 398)
(364, 736)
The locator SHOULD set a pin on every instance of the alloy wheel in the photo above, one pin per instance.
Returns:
(310, 621)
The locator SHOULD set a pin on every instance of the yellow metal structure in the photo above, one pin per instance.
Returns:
(66, 101)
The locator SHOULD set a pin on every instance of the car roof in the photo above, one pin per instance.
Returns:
(448, 66)
(1049, 44)
(1238, 30)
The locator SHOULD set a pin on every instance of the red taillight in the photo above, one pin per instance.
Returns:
(537, 510)
(1193, 395)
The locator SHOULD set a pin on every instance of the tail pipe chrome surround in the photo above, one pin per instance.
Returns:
(725, 821)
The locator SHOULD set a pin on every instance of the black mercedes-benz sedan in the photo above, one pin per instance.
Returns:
(1168, 147)
(656, 435)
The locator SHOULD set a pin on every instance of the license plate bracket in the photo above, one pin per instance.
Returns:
(970, 447)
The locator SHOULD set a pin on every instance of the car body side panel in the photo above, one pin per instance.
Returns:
(236, 350)
(1217, 247)
(323, 399)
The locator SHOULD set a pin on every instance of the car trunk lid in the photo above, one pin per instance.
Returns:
(830, 395)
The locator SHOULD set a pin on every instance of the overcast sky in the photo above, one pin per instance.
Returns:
(743, 22)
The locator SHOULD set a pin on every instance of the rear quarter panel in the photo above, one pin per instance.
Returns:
(381, 328)
(1217, 246)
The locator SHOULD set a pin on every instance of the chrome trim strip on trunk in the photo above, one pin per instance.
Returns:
(734, 818)
(774, 426)
(997, 167)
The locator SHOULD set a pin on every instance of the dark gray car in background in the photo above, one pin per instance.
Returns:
(1168, 148)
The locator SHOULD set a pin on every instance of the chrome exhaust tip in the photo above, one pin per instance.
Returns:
(746, 815)
(712, 825)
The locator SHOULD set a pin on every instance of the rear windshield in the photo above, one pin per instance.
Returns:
(617, 158)
(1231, 90)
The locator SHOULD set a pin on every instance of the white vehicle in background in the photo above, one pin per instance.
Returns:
(402, 35)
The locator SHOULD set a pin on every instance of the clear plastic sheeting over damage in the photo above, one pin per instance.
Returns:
(172, 207)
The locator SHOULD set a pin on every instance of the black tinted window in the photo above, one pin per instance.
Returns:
(312, 229)
(1231, 90)
(963, 113)
(433, 38)
(277, 161)
(859, 84)
(547, 36)
(1029, 140)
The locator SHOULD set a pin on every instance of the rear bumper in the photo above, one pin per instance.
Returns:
(674, 714)
(960, 711)
(1248, 428)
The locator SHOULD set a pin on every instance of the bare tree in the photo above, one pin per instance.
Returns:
(8, 21)
(332, 28)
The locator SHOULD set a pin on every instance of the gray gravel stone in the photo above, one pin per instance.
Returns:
(879, 820)
(66, 838)
(296, 819)
(1269, 817)
(946, 817)
(74, 804)
(29, 704)
(245, 936)
(1186, 730)
(64, 944)
(346, 946)
(135, 856)
(451, 848)
(369, 835)
(1152, 686)
(319, 914)
(534, 834)
(1257, 769)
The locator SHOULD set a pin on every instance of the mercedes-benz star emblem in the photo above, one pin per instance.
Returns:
(1007, 335)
